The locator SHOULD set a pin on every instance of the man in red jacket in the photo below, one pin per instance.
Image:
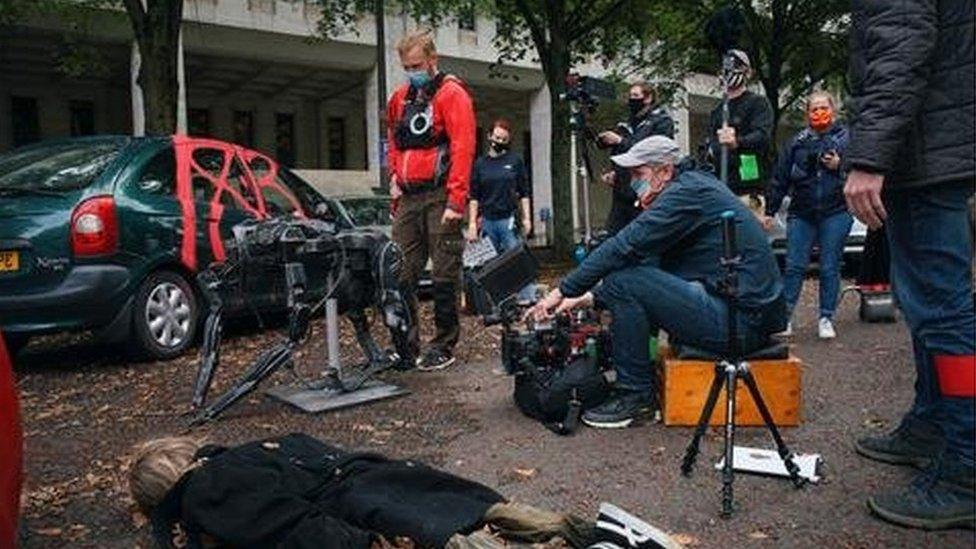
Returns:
(431, 149)
(10, 451)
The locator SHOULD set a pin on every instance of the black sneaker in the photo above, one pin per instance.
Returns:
(435, 359)
(938, 498)
(909, 444)
(620, 410)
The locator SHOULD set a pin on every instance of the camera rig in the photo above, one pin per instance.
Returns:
(360, 271)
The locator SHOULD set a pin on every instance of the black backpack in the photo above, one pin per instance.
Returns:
(557, 396)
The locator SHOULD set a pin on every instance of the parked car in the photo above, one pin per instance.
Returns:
(107, 234)
(853, 247)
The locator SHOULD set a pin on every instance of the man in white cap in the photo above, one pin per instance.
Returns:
(663, 271)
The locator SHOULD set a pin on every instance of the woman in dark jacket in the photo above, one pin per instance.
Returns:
(809, 171)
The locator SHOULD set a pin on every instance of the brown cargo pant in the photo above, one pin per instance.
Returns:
(417, 229)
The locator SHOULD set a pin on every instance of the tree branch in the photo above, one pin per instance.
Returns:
(535, 29)
(582, 29)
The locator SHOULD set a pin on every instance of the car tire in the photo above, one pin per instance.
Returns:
(165, 316)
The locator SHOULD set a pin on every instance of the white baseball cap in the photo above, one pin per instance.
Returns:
(656, 149)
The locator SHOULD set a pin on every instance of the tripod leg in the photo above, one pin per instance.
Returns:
(784, 452)
(209, 356)
(728, 473)
(691, 453)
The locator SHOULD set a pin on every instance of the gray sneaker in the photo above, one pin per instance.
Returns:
(940, 497)
(435, 359)
(906, 445)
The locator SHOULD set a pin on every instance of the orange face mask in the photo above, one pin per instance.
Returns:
(820, 118)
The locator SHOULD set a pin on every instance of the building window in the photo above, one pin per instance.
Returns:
(82, 114)
(336, 128)
(285, 139)
(244, 128)
(466, 19)
(26, 126)
(198, 122)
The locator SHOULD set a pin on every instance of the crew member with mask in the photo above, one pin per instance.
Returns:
(809, 172)
(499, 189)
(431, 149)
(646, 118)
(663, 271)
(748, 132)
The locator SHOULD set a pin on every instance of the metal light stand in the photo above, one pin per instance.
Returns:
(579, 166)
(728, 371)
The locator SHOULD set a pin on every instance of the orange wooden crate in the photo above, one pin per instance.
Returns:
(686, 383)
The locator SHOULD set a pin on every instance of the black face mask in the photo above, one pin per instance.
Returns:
(635, 106)
(498, 146)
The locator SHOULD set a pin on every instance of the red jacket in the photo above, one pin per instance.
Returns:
(453, 118)
(11, 449)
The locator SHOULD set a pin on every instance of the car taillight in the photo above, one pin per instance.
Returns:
(94, 227)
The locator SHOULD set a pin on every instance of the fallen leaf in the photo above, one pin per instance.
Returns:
(51, 532)
(525, 473)
(687, 540)
(759, 534)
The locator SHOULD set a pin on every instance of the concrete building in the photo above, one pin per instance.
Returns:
(257, 73)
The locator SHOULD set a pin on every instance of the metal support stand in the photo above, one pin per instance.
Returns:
(333, 391)
(727, 372)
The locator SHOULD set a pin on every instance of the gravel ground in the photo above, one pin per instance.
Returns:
(85, 406)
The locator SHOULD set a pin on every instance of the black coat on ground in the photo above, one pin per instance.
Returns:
(297, 492)
(912, 71)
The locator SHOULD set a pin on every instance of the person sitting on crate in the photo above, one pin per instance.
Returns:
(663, 271)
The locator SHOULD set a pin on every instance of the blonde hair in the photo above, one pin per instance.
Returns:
(821, 94)
(157, 466)
(422, 38)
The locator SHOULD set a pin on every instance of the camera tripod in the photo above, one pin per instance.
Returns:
(728, 370)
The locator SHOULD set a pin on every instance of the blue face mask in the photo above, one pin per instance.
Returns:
(418, 78)
(640, 187)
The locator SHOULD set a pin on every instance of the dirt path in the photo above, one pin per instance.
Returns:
(85, 406)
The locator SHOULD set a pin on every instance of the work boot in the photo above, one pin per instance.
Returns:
(620, 409)
(908, 444)
(943, 496)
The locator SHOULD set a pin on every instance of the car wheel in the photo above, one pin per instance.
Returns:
(164, 316)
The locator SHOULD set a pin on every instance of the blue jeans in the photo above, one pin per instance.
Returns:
(801, 234)
(931, 261)
(502, 234)
(644, 298)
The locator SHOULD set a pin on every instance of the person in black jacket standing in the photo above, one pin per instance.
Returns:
(913, 164)
(748, 132)
(646, 118)
(809, 171)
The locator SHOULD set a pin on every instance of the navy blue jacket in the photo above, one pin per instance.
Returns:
(815, 191)
(681, 233)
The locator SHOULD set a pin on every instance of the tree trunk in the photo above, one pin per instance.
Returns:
(157, 31)
(564, 238)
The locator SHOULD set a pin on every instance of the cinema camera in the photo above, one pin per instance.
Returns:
(559, 365)
(357, 268)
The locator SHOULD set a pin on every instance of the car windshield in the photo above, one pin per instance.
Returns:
(366, 211)
(62, 167)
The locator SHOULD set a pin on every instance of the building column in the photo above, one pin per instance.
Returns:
(540, 120)
(682, 120)
(374, 146)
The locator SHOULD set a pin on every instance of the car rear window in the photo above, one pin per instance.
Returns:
(369, 211)
(57, 167)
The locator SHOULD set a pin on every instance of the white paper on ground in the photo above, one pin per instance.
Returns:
(768, 462)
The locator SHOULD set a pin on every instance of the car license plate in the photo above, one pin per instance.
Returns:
(9, 260)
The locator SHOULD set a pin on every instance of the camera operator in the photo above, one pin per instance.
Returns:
(809, 170)
(646, 119)
(498, 180)
(663, 271)
(431, 148)
(749, 129)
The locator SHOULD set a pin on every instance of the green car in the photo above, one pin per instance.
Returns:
(107, 234)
